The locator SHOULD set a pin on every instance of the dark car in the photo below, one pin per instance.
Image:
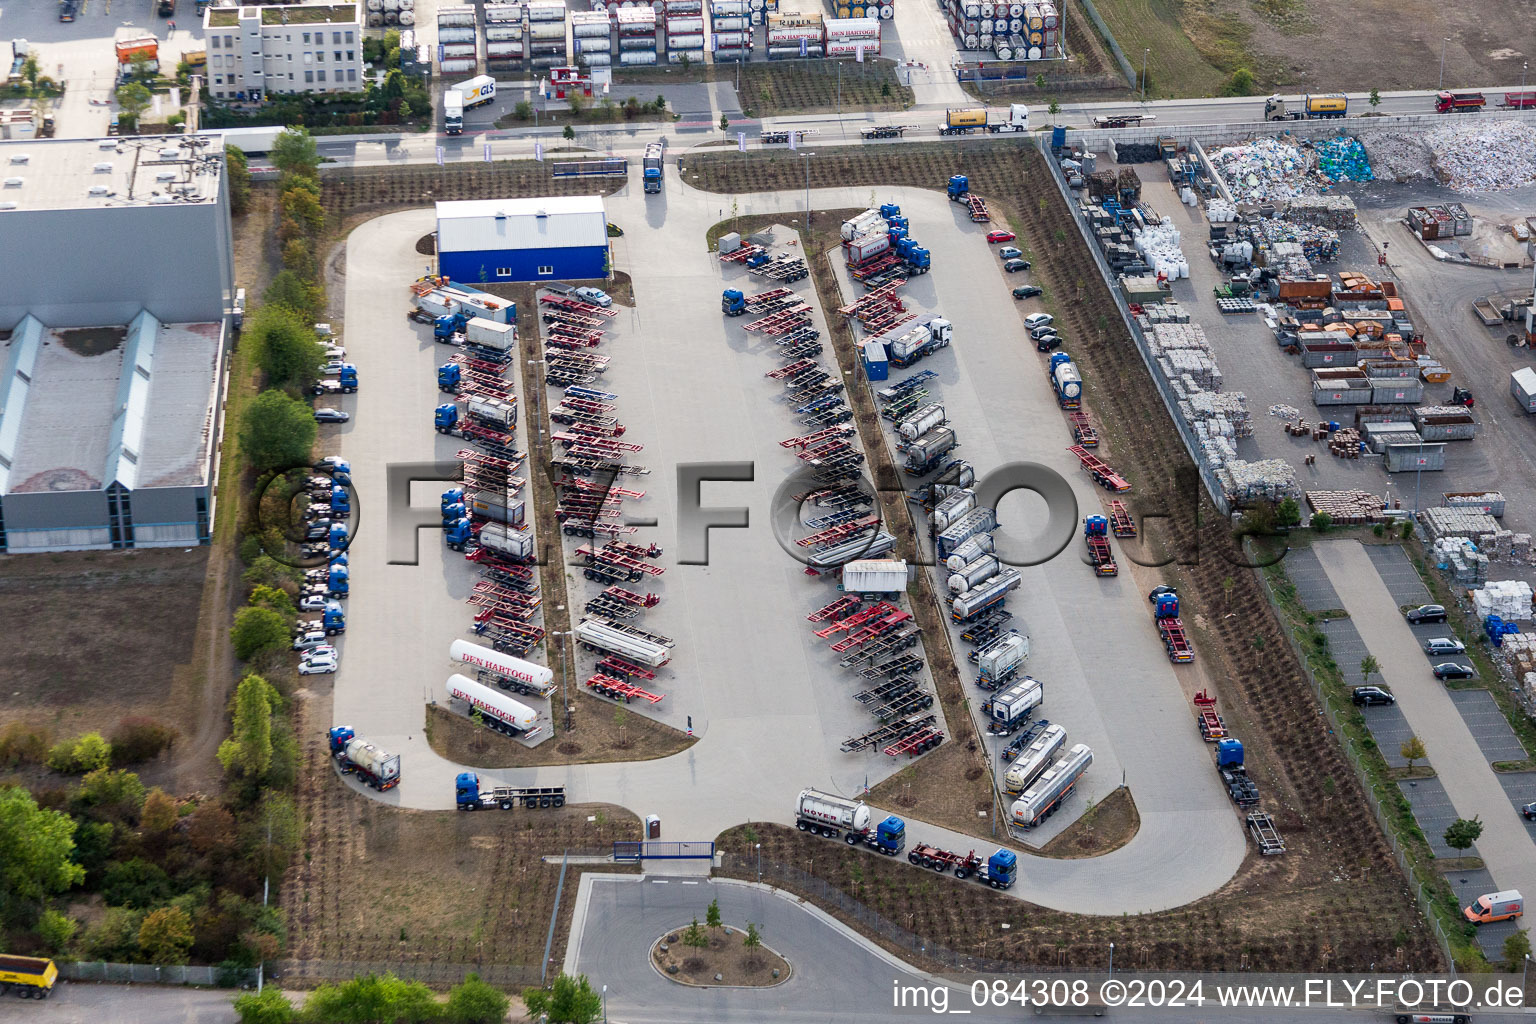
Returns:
(1529, 811)
(1158, 592)
(331, 416)
(1047, 342)
(68, 9)
(1014, 266)
(1026, 291)
(1365, 696)
(1426, 613)
(1452, 670)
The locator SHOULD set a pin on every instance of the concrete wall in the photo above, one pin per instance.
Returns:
(581, 263)
(92, 267)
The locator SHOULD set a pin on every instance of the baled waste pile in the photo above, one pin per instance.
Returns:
(1467, 155)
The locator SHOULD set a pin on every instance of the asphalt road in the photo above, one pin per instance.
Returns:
(82, 1003)
(1505, 846)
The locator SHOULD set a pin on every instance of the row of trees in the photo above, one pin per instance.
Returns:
(378, 999)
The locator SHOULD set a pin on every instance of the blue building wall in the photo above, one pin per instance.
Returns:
(567, 264)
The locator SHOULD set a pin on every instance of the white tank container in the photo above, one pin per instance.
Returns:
(969, 550)
(840, 48)
(685, 26)
(832, 811)
(920, 422)
(974, 573)
(720, 24)
(731, 40)
(493, 703)
(950, 509)
(636, 44)
(594, 47)
(686, 43)
(675, 56)
(538, 677)
(1035, 759)
(637, 58)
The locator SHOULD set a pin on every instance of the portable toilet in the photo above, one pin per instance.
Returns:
(876, 365)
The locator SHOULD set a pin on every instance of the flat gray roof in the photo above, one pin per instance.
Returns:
(66, 439)
(150, 170)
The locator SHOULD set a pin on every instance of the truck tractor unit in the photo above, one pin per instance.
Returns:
(453, 113)
(1165, 609)
(1010, 708)
(1034, 759)
(497, 710)
(849, 820)
(1096, 537)
(376, 768)
(1277, 108)
(733, 302)
(332, 621)
(1065, 381)
(469, 795)
(959, 191)
(927, 335)
(1053, 787)
(999, 871)
(1234, 775)
(652, 166)
(503, 670)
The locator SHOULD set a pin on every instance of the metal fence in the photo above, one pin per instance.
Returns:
(1355, 762)
(149, 974)
(1170, 401)
(299, 973)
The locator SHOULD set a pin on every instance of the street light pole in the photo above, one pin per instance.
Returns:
(808, 190)
(1111, 959)
(605, 1004)
(760, 866)
(1443, 43)
(1144, 53)
(1523, 65)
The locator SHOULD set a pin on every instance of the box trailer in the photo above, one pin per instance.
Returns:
(1522, 384)
(875, 576)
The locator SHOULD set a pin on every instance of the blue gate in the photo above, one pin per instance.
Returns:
(633, 853)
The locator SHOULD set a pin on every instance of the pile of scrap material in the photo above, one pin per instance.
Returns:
(1265, 480)
(1264, 170)
(1471, 155)
(1342, 158)
(1348, 507)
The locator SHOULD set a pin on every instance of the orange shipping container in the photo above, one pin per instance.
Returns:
(147, 45)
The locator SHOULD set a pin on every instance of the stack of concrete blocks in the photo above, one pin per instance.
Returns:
(1510, 600)
(1266, 480)
(1457, 522)
(1169, 312)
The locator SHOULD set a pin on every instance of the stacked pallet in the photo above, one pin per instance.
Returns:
(505, 48)
(1347, 507)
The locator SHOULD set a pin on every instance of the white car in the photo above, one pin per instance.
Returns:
(334, 352)
(311, 641)
(312, 602)
(331, 366)
(320, 653)
(596, 296)
(318, 667)
(1035, 320)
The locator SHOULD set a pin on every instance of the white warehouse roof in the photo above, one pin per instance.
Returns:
(554, 222)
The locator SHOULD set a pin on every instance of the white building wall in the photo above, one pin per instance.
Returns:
(295, 58)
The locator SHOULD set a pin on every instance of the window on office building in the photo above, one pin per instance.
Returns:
(349, 38)
(503, 271)
(322, 76)
(309, 76)
(351, 74)
(306, 38)
(546, 271)
(350, 56)
(213, 42)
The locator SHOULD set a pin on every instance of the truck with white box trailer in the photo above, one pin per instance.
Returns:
(875, 576)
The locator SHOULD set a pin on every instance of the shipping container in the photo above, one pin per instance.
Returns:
(1412, 458)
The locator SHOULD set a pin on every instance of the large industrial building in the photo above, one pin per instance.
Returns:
(561, 238)
(112, 339)
(284, 48)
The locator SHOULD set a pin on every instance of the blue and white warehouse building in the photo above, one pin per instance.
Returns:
(556, 238)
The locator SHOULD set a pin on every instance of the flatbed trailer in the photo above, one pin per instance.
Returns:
(1212, 726)
(919, 742)
(508, 797)
(854, 620)
(889, 643)
(895, 667)
(622, 691)
(1102, 473)
(576, 306)
(613, 665)
(978, 209)
(507, 635)
(1100, 556)
(886, 131)
(987, 627)
(1120, 521)
(1265, 836)
(1175, 641)
(888, 691)
(890, 732)
(1082, 429)
(741, 255)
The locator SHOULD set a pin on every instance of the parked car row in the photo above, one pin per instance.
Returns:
(337, 376)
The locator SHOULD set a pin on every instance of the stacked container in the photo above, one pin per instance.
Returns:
(731, 29)
(407, 12)
(591, 37)
(637, 36)
(546, 34)
(504, 45)
(792, 36)
(758, 11)
(1013, 31)
(847, 36)
(685, 30)
(456, 38)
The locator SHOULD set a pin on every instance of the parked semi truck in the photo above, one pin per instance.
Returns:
(1334, 104)
(469, 795)
(497, 710)
(929, 334)
(1459, 102)
(652, 166)
(1234, 774)
(1000, 659)
(30, 977)
(964, 120)
(491, 412)
(504, 670)
(358, 757)
(1096, 537)
(1042, 799)
(1165, 610)
(849, 820)
(1065, 381)
(1035, 759)
(453, 113)
(502, 542)
(999, 870)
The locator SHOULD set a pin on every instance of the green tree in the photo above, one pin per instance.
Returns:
(1241, 83)
(56, 931)
(712, 914)
(394, 85)
(133, 99)
(577, 103)
(269, 1007)
(694, 936)
(248, 751)
(303, 206)
(1054, 108)
(1463, 832)
(140, 63)
(1517, 946)
(753, 940)
(1321, 521)
(475, 1002)
(257, 630)
(118, 792)
(165, 937)
(239, 182)
(372, 999)
(159, 812)
(31, 71)
(304, 297)
(1412, 750)
(277, 600)
(725, 123)
(1287, 513)
(1040, 82)
(523, 111)
(85, 753)
(295, 152)
(569, 133)
(277, 431)
(272, 833)
(1369, 666)
(568, 1001)
(137, 884)
(35, 848)
(266, 570)
(115, 936)
(1375, 99)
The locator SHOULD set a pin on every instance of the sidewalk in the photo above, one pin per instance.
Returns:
(1474, 789)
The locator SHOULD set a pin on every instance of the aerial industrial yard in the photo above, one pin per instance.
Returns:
(988, 520)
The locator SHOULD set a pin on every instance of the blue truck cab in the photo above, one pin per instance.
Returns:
(451, 497)
(889, 210)
(340, 736)
(1001, 870)
(341, 501)
(732, 302)
(445, 418)
(337, 536)
(336, 581)
(448, 377)
(459, 534)
(333, 620)
(444, 328)
(348, 378)
(466, 790)
(1229, 753)
(959, 188)
(890, 836)
(1166, 606)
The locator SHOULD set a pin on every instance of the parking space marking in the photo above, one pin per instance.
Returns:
(1468, 886)
(1390, 729)
(1434, 812)
(1488, 725)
